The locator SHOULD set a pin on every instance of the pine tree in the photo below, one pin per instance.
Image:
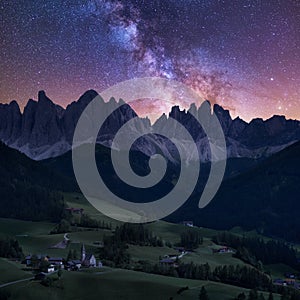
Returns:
(59, 273)
(271, 296)
(70, 255)
(75, 255)
(203, 294)
(241, 296)
(284, 296)
(253, 295)
(261, 297)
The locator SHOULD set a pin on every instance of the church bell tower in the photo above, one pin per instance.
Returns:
(83, 253)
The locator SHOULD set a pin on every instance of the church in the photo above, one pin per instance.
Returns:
(87, 260)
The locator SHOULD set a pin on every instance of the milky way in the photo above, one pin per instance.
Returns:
(243, 55)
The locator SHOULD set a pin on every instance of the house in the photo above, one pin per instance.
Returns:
(290, 275)
(290, 281)
(73, 265)
(188, 223)
(27, 260)
(56, 261)
(169, 262)
(223, 249)
(33, 259)
(98, 243)
(50, 269)
(180, 249)
(278, 281)
(78, 211)
(77, 263)
(171, 256)
(286, 282)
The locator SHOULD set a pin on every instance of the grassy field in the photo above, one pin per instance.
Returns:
(34, 237)
(11, 271)
(204, 255)
(17, 227)
(88, 237)
(108, 283)
(150, 254)
(78, 201)
(201, 255)
(277, 270)
(122, 284)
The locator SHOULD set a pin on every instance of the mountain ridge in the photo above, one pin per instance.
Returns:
(45, 129)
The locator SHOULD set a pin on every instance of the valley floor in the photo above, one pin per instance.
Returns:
(113, 283)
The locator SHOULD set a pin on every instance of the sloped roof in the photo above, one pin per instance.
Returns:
(89, 256)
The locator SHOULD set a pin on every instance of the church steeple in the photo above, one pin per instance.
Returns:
(83, 253)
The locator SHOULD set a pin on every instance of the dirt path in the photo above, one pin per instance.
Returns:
(14, 282)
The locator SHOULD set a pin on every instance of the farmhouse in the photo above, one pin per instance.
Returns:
(73, 265)
(75, 210)
(223, 249)
(171, 256)
(56, 261)
(33, 259)
(168, 262)
(286, 281)
(179, 249)
(188, 223)
(47, 263)
(50, 268)
(290, 275)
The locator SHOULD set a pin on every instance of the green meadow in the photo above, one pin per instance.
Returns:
(110, 283)
(122, 284)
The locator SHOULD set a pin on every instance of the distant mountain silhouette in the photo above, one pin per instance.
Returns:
(264, 197)
(46, 130)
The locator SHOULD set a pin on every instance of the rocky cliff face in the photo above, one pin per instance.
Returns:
(46, 130)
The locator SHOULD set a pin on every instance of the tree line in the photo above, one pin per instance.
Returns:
(191, 239)
(137, 234)
(10, 248)
(115, 254)
(243, 276)
(30, 202)
(254, 249)
(65, 225)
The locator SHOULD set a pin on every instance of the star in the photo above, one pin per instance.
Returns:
(243, 56)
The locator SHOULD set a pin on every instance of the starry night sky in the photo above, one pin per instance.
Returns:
(241, 54)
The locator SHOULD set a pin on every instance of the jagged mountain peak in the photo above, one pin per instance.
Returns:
(219, 110)
(256, 121)
(238, 119)
(30, 105)
(42, 96)
(14, 103)
(45, 129)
